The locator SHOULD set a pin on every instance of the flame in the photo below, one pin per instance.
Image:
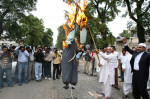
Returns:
(64, 44)
(78, 45)
(81, 18)
(66, 34)
(66, 30)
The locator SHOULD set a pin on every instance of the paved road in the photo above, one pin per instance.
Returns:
(50, 89)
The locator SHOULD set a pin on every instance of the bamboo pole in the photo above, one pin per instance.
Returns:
(94, 45)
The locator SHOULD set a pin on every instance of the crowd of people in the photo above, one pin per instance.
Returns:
(31, 65)
(131, 66)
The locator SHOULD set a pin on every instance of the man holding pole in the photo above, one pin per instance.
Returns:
(107, 75)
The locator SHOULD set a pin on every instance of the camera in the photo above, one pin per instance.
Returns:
(9, 50)
(40, 50)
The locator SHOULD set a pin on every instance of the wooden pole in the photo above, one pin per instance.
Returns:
(94, 45)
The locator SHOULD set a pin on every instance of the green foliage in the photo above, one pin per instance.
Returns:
(99, 13)
(110, 40)
(139, 12)
(13, 10)
(125, 33)
(47, 39)
(32, 30)
(61, 37)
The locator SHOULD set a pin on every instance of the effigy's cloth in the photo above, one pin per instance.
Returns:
(69, 64)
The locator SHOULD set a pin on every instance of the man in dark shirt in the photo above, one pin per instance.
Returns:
(38, 64)
(140, 62)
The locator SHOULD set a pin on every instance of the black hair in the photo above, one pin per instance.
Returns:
(103, 47)
(13, 47)
(113, 47)
(27, 47)
(21, 47)
(48, 48)
(123, 49)
(56, 49)
(40, 49)
(4, 46)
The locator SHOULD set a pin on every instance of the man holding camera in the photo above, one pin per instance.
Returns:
(48, 59)
(39, 56)
(6, 66)
(22, 64)
(56, 62)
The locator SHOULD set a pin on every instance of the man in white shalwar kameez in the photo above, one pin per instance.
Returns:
(107, 72)
(116, 63)
(127, 85)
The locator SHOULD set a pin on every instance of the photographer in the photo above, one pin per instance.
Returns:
(48, 59)
(23, 56)
(31, 67)
(6, 66)
(39, 56)
(56, 62)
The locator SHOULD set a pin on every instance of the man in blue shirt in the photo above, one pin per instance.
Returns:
(22, 63)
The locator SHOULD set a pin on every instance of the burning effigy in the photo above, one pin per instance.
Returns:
(75, 19)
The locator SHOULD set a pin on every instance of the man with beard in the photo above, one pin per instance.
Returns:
(140, 63)
(108, 72)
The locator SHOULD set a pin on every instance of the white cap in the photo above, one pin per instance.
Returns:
(142, 44)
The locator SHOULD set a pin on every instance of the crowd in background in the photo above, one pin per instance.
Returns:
(118, 67)
(33, 65)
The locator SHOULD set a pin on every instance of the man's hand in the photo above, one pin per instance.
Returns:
(123, 70)
(96, 51)
(124, 41)
(119, 67)
(99, 64)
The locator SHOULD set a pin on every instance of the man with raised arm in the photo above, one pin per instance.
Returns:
(107, 75)
(140, 63)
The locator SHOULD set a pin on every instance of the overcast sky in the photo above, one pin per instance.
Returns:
(52, 13)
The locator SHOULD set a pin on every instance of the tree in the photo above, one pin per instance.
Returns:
(47, 38)
(12, 10)
(99, 13)
(139, 12)
(32, 30)
(106, 10)
(61, 37)
(125, 33)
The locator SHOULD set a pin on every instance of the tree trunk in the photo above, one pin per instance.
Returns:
(140, 33)
(1, 28)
